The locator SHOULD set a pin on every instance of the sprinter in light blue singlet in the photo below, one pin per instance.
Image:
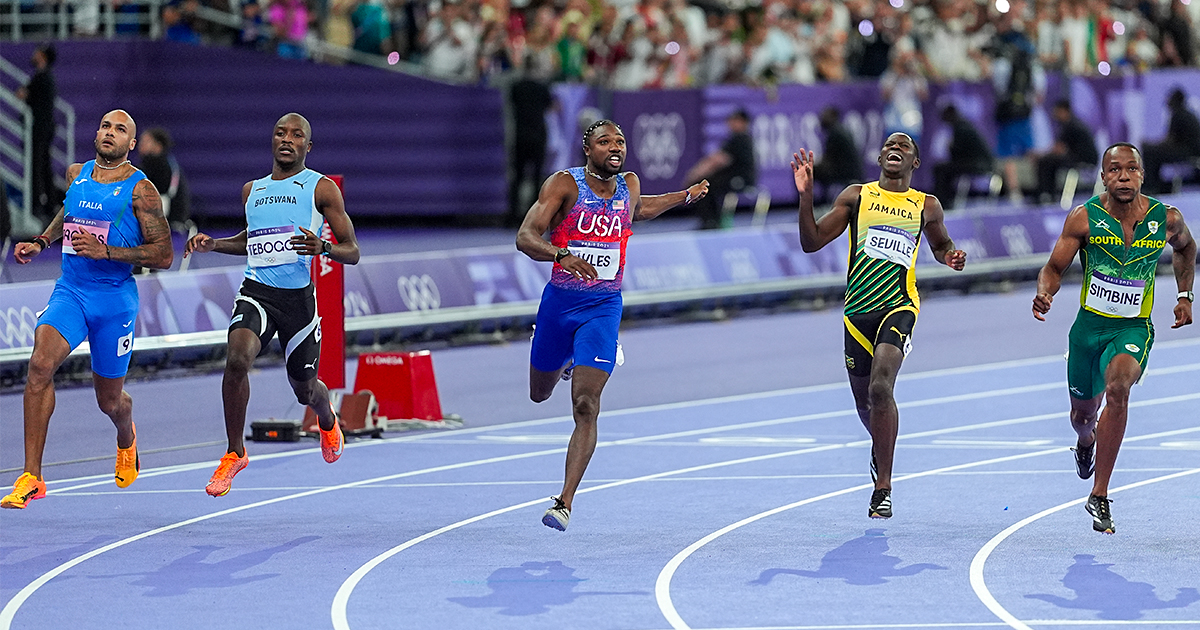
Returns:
(285, 214)
(587, 211)
(111, 221)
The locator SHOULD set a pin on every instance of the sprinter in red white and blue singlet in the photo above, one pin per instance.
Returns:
(587, 212)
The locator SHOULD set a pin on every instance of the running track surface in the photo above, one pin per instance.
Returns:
(730, 491)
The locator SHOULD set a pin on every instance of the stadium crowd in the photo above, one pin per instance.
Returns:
(632, 44)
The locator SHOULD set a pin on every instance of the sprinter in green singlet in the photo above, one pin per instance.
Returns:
(886, 219)
(1119, 235)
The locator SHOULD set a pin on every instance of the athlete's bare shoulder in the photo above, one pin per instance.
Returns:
(74, 170)
(246, 190)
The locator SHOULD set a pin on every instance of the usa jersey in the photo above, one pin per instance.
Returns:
(275, 211)
(596, 230)
(106, 211)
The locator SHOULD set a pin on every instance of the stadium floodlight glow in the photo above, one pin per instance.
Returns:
(866, 28)
(896, 3)
(393, 58)
(1104, 68)
(672, 48)
(1119, 27)
(1002, 6)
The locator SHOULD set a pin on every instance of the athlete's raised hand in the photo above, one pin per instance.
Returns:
(1183, 313)
(802, 170)
(307, 245)
(1041, 305)
(578, 267)
(25, 252)
(87, 245)
(199, 244)
(697, 191)
(956, 259)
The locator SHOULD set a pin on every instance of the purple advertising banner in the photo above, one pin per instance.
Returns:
(664, 133)
(200, 301)
(785, 119)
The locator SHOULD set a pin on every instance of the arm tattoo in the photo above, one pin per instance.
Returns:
(156, 250)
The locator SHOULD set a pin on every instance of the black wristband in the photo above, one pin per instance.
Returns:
(41, 240)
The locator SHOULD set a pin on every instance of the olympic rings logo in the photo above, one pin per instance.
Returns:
(17, 326)
(660, 142)
(420, 293)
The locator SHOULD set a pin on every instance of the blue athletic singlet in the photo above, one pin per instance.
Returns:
(97, 300)
(275, 210)
(105, 210)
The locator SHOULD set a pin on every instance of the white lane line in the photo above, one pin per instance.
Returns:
(662, 586)
(977, 564)
(342, 598)
(971, 369)
(553, 483)
(10, 609)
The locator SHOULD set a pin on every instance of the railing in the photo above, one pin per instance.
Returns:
(60, 157)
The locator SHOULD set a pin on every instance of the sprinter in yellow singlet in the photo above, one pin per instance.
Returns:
(1119, 235)
(886, 220)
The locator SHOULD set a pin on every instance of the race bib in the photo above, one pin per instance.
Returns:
(75, 225)
(1115, 296)
(270, 247)
(604, 256)
(885, 242)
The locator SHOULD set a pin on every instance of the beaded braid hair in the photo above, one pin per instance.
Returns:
(587, 135)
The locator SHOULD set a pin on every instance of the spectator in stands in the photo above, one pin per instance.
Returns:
(904, 90)
(1074, 147)
(162, 169)
(177, 24)
(1178, 40)
(289, 19)
(39, 94)
(253, 33)
(969, 155)
(840, 163)
(371, 27)
(530, 100)
(730, 168)
(1181, 143)
(572, 53)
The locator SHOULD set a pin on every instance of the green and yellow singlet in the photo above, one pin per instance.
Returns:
(1119, 280)
(884, 236)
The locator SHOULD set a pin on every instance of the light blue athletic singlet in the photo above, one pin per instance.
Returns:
(275, 210)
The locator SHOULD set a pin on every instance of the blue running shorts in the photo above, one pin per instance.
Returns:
(576, 325)
(105, 316)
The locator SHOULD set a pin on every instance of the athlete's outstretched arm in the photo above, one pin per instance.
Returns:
(234, 245)
(646, 207)
(817, 234)
(1072, 239)
(557, 195)
(1183, 260)
(939, 240)
(330, 203)
(154, 252)
(25, 252)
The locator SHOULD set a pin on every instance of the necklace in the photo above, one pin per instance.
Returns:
(111, 168)
(603, 179)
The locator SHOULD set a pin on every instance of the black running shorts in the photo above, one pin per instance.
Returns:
(266, 310)
(867, 330)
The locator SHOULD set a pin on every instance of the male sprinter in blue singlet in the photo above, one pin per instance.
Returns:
(284, 214)
(886, 219)
(111, 220)
(1119, 235)
(588, 211)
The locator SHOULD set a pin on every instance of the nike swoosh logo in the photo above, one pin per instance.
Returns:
(127, 324)
(599, 360)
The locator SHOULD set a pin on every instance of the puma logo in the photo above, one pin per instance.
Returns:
(311, 365)
(300, 184)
